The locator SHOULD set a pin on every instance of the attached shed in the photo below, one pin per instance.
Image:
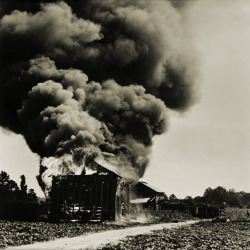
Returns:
(146, 195)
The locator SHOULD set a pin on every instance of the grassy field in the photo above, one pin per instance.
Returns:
(13, 233)
(238, 214)
(204, 235)
(20, 233)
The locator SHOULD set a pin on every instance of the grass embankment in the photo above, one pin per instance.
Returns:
(169, 216)
(203, 235)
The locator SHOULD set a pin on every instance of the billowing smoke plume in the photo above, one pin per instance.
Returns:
(80, 79)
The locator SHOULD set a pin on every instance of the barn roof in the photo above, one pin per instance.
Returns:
(140, 200)
(152, 187)
(113, 165)
(105, 164)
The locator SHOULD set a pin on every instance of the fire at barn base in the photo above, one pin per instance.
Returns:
(99, 194)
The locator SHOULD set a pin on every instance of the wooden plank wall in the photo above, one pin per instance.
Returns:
(84, 198)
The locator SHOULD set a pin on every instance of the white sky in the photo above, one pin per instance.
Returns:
(210, 145)
(207, 146)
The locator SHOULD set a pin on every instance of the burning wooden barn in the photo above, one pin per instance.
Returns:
(98, 194)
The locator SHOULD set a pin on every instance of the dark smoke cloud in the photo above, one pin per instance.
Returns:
(82, 78)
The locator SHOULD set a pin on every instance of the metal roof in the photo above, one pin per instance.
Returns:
(152, 187)
(138, 201)
(113, 165)
(103, 163)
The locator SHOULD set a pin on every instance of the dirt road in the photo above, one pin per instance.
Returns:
(93, 241)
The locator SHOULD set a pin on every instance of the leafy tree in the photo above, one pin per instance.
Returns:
(189, 200)
(32, 196)
(165, 197)
(248, 205)
(172, 197)
(12, 185)
(199, 199)
(16, 204)
(208, 192)
(23, 186)
(220, 195)
(234, 199)
(245, 198)
(8, 188)
(217, 195)
(4, 179)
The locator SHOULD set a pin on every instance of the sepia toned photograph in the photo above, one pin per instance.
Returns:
(125, 124)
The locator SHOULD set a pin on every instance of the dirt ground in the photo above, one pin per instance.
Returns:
(95, 240)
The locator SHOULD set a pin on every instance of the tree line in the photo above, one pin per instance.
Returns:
(19, 203)
(230, 197)
(220, 196)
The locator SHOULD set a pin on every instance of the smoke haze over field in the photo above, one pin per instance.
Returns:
(82, 78)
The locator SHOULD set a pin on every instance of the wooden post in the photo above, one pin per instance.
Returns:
(96, 193)
(113, 198)
(101, 199)
(80, 197)
(128, 201)
(90, 195)
(84, 197)
(107, 207)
